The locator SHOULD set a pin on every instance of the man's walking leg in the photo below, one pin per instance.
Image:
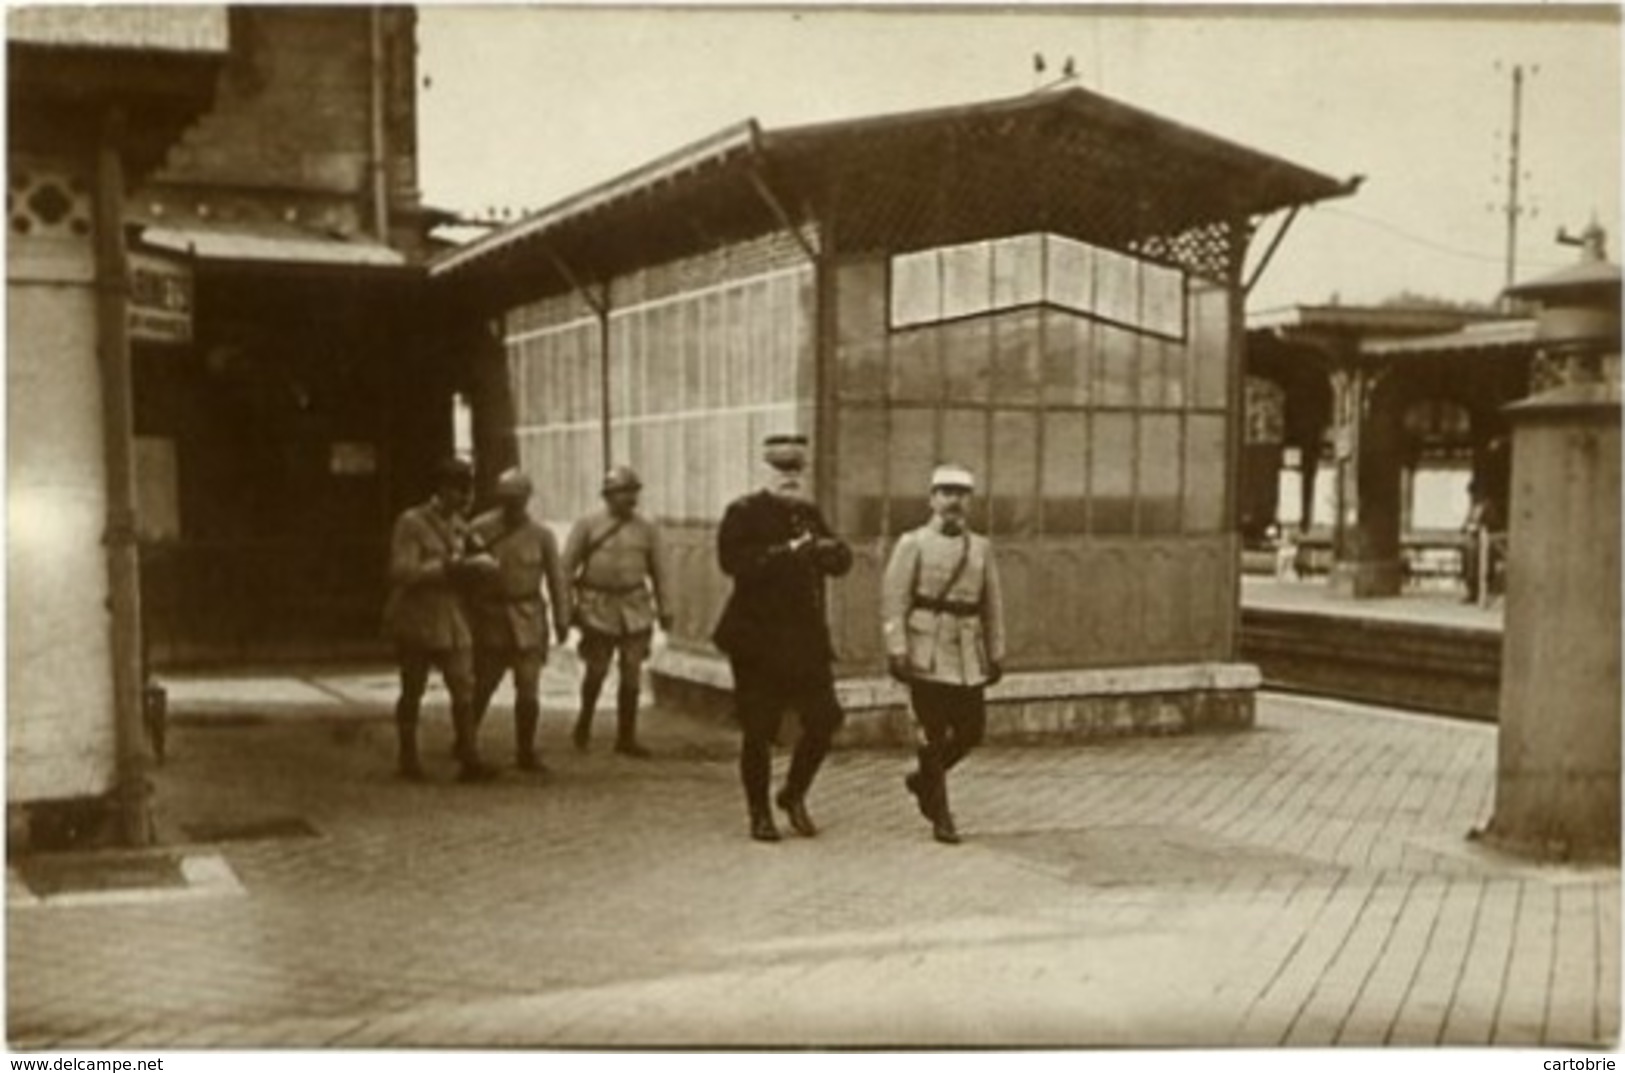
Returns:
(634, 650)
(930, 783)
(820, 717)
(758, 716)
(414, 679)
(595, 649)
(457, 670)
(527, 708)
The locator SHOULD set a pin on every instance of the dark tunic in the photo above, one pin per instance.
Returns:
(775, 617)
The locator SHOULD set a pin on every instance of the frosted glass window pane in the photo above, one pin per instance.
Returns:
(1204, 474)
(1016, 357)
(861, 463)
(915, 375)
(916, 289)
(1118, 351)
(1209, 346)
(1070, 273)
(1018, 271)
(1160, 450)
(1117, 285)
(1111, 463)
(1065, 475)
(1162, 300)
(1013, 483)
(967, 280)
(967, 358)
(910, 454)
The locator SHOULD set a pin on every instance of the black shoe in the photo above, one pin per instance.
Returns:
(942, 829)
(912, 782)
(581, 735)
(411, 771)
(632, 749)
(476, 772)
(762, 828)
(529, 762)
(795, 809)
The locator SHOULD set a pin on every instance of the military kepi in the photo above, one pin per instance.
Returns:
(951, 476)
(785, 450)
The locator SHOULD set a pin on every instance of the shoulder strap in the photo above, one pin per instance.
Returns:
(959, 567)
(598, 542)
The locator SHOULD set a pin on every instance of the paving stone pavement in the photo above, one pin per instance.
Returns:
(1304, 883)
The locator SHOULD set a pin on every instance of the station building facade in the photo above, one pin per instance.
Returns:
(1046, 289)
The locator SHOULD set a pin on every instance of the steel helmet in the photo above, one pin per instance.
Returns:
(621, 479)
(513, 484)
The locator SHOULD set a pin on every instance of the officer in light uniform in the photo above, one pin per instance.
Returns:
(507, 611)
(612, 559)
(944, 632)
(430, 560)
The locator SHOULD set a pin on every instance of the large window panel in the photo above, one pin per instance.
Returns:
(1016, 357)
(1069, 273)
(1065, 476)
(967, 280)
(1118, 350)
(911, 452)
(916, 289)
(1159, 482)
(1018, 271)
(915, 374)
(1117, 287)
(967, 358)
(1204, 473)
(861, 462)
(1209, 350)
(1111, 469)
(1013, 483)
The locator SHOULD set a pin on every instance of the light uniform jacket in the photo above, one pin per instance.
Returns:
(506, 609)
(425, 608)
(615, 590)
(949, 646)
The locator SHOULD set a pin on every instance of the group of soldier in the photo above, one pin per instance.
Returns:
(467, 598)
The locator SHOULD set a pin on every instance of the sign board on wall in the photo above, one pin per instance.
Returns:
(161, 299)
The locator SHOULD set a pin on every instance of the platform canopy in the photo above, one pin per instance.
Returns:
(1071, 162)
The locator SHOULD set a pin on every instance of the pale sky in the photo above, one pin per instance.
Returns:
(525, 105)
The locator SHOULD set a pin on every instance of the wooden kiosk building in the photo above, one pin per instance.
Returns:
(1047, 289)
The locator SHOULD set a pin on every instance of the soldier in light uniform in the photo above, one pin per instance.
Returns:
(509, 615)
(778, 550)
(429, 561)
(944, 632)
(612, 559)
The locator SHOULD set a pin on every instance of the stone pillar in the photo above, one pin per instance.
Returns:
(1557, 787)
(1365, 532)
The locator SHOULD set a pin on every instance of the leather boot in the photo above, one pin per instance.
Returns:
(406, 736)
(942, 818)
(626, 724)
(795, 809)
(467, 747)
(762, 828)
(527, 715)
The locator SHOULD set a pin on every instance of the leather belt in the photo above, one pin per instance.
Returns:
(612, 590)
(960, 608)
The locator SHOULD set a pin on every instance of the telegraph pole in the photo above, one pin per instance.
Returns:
(1514, 149)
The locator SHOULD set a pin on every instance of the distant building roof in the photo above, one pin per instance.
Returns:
(1073, 159)
(1491, 336)
(269, 244)
(134, 27)
(1367, 321)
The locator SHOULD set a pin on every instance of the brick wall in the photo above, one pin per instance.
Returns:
(289, 137)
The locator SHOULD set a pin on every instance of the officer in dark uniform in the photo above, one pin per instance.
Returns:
(778, 549)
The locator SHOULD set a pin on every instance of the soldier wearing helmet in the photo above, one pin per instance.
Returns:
(943, 624)
(612, 559)
(508, 614)
(429, 560)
